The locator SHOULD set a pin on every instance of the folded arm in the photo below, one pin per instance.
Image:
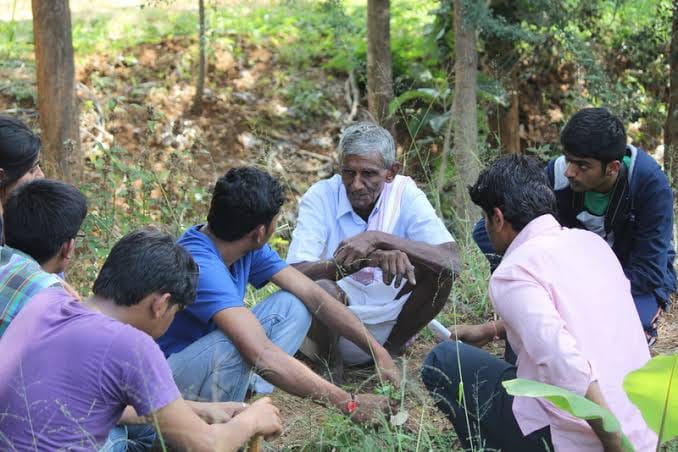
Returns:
(353, 253)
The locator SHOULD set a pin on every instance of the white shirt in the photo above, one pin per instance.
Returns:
(326, 218)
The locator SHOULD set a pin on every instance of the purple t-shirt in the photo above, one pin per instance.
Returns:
(68, 372)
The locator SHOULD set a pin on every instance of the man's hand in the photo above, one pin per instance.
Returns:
(388, 368)
(264, 416)
(476, 335)
(370, 406)
(612, 442)
(218, 412)
(393, 264)
(353, 253)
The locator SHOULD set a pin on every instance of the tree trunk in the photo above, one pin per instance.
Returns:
(508, 121)
(465, 115)
(671, 127)
(379, 70)
(504, 60)
(57, 103)
(200, 85)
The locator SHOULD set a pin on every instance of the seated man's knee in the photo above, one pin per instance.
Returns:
(440, 365)
(290, 307)
(480, 236)
(332, 288)
(296, 310)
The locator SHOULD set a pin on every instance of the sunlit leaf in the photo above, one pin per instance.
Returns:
(426, 94)
(400, 418)
(654, 390)
(575, 404)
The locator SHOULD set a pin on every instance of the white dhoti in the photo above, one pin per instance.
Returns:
(376, 306)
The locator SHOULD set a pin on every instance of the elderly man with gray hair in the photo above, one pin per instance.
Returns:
(371, 238)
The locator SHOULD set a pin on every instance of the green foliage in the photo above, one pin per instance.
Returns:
(306, 100)
(654, 390)
(129, 193)
(340, 433)
(568, 401)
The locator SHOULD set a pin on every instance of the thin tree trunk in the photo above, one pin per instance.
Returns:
(379, 67)
(671, 127)
(57, 102)
(502, 56)
(509, 120)
(465, 115)
(200, 84)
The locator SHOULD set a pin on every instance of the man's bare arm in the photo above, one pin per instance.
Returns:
(210, 412)
(324, 269)
(335, 316)
(271, 362)
(611, 441)
(182, 428)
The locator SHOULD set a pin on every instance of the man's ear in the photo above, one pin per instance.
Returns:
(2, 174)
(392, 171)
(498, 218)
(159, 304)
(612, 168)
(67, 250)
(258, 234)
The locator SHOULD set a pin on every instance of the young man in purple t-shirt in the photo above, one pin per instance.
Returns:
(73, 370)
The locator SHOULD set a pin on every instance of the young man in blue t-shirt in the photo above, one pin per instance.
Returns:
(217, 344)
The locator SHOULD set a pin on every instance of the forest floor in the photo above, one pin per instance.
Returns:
(136, 101)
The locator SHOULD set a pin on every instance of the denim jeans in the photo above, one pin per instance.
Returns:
(130, 438)
(212, 369)
(484, 419)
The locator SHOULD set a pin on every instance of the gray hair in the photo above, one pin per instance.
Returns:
(363, 138)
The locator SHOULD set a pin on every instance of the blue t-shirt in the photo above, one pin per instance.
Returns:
(219, 287)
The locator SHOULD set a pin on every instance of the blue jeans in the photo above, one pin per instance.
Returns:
(130, 438)
(212, 369)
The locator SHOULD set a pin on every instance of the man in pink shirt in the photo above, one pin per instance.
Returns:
(553, 289)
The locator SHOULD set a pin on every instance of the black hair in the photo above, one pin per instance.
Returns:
(594, 133)
(19, 149)
(144, 262)
(518, 186)
(41, 216)
(243, 199)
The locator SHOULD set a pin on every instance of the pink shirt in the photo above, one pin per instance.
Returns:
(571, 320)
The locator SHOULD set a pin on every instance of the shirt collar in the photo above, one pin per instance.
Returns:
(9, 252)
(538, 226)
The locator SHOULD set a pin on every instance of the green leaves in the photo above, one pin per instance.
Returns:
(654, 390)
(428, 95)
(576, 405)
